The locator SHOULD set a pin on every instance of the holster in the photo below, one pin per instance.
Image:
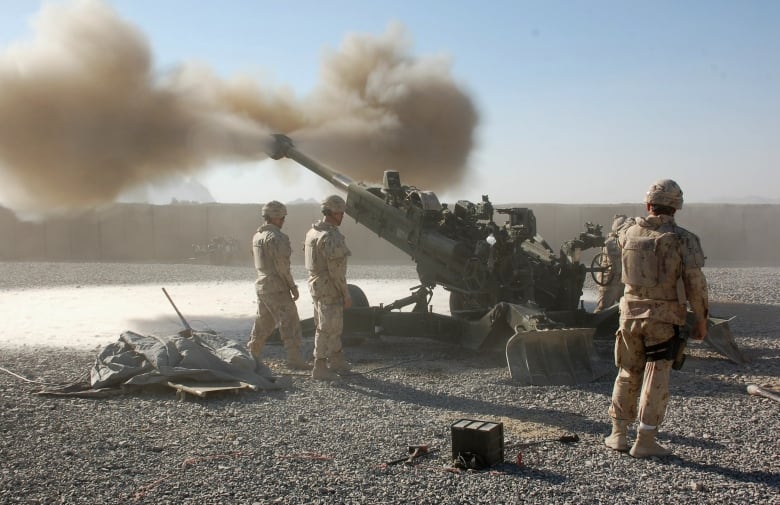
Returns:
(673, 349)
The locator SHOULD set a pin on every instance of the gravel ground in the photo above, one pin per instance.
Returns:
(325, 442)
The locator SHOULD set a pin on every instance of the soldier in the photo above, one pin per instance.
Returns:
(661, 270)
(612, 290)
(326, 260)
(275, 288)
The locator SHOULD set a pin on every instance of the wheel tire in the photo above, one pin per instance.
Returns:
(464, 307)
(608, 274)
(456, 302)
(359, 298)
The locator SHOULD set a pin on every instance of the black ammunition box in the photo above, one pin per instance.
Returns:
(481, 442)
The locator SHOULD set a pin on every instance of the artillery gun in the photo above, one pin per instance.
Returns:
(507, 286)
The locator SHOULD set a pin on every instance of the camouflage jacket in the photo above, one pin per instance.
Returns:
(326, 253)
(271, 250)
(612, 255)
(662, 271)
(611, 259)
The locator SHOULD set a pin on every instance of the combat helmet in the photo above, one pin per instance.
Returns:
(333, 203)
(618, 221)
(274, 210)
(665, 192)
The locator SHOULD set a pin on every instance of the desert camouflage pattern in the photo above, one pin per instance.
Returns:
(274, 209)
(665, 192)
(333, 203)
(662, 271)
(271, 250)
(611, 258)
(275, 306)
(276, 309)
(638, 379)
(326, 254)
(329, 321)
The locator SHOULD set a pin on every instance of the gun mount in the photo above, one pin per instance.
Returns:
(506, 284)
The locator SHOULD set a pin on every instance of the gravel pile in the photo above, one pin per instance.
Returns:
(326, 442)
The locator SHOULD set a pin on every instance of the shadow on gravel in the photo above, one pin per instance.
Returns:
(694, 442)
(754, 477)
(530, 473)
(388, 390)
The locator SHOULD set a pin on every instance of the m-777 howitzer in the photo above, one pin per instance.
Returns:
(507, 286)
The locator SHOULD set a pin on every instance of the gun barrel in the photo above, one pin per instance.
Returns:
(283, 147)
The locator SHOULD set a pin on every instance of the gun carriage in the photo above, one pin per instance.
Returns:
(507, 286)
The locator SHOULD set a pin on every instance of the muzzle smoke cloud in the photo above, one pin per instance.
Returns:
(84, 116)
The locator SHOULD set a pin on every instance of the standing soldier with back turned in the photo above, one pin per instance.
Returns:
(326, 260)
(276, 290)
(661, 270)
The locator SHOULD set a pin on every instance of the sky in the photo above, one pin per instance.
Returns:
(578, 101)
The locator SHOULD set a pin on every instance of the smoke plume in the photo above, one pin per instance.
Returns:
(84, 116)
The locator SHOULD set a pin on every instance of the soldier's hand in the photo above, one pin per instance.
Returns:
(700, 330)
(294, 293)
(347, 302)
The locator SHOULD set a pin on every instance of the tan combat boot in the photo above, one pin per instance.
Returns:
(646, 446)
(296, 362)
(321, 372)
(338, 364)
(618, 440)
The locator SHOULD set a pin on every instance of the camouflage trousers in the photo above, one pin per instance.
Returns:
(329, 318)
(276, 309)
(639, 379)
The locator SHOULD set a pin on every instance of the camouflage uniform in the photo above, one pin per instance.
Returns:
(610, 293)
(326, 255)
(274, 284)
(662, 271)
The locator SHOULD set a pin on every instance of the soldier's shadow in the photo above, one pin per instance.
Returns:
(389, 390)
(770, 479)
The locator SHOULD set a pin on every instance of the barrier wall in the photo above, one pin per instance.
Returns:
(730, 234)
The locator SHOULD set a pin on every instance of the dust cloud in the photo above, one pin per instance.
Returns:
(85, 116)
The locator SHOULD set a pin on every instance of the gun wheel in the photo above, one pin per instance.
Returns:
(359, 298)
(350, 337)
(601, 270)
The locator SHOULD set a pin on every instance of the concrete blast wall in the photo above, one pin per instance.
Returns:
(730, 234)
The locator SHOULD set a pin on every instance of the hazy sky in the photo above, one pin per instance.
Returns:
(578, 101)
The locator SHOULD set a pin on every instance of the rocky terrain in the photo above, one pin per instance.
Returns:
(328, 442)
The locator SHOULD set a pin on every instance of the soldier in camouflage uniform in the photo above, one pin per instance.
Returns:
(326, 260)
(612, 290)
(275, 288)
(662, 271)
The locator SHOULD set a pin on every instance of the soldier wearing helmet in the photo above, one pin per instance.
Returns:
(662, 274)
(326, 255)
(611, 285)
(275, 288)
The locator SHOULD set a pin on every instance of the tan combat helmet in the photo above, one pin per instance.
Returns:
(274, 210)
(333, 203)
(665, 192)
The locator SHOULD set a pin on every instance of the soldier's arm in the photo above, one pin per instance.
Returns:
(280, 251)
(694, 281)
(337, 259)
(339, 279)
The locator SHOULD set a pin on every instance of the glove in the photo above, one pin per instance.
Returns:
(294, 293)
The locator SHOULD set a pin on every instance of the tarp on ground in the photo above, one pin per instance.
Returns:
(142, 360)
